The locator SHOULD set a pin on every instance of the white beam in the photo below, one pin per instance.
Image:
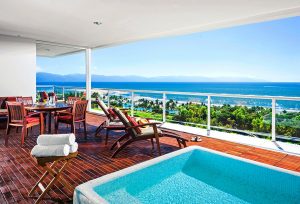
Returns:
(88, 61)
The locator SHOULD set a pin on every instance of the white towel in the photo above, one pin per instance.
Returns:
(74, 147)
(56, 139)
(51, 150)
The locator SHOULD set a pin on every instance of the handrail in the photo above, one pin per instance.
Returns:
(292, 98)
(208, 95)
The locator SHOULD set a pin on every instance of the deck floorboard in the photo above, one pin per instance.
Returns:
(18, 172)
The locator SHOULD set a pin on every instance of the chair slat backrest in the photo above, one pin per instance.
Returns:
(79, 109)
(104, 109)
(125, 121)
(25, 100)
(16, 112)
(2, 102)
(72, 99)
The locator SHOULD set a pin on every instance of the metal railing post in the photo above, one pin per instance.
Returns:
(273, 119)
(53, 88)
(75, 92)
(208, 114)
(108, 100)
(164, 107)
(132, 103)
(63, 93)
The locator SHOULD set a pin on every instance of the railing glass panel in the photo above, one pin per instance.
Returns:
(186, 110)
(246, 116)
(120, 99)
(148, 105)
(288, 120)
(101, 94)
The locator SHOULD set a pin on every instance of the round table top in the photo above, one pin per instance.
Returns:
(47, 107)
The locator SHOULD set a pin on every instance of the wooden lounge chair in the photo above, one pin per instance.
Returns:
(18, 117)
(49, 164)
(112, 122)
(78, 115)
(134, 132)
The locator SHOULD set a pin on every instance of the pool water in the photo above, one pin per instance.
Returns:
(202, 177)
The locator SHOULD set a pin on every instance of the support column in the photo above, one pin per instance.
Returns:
(164, 107)
(88, 61)
(208, 114)
(273, 120)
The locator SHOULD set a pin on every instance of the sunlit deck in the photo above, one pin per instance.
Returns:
(19, 173)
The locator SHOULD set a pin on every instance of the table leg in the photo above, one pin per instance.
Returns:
(49, 122)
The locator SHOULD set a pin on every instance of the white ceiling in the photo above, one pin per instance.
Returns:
(71, 21)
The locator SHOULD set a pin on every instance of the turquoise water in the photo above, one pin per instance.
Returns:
(202, 177)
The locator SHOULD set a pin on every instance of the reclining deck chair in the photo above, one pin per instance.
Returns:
(134, 132)
(112, 122)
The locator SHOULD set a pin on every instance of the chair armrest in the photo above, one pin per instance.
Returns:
(141, 125)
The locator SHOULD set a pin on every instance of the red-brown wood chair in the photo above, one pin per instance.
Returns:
(78, 115)
(72, 99)
(2, 102)
(18, 117)
(25, 100)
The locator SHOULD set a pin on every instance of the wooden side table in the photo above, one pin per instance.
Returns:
(48, 164)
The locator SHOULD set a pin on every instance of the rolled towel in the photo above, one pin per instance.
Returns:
(74, 147)
(50, 150)
(56, 139)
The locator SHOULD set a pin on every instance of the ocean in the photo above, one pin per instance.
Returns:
(248, 88)
(244, 88)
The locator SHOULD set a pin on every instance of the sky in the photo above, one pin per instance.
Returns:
(268, 51)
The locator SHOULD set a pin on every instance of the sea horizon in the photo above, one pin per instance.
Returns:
(289, 89)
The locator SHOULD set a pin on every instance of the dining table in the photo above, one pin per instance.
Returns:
(49, 109)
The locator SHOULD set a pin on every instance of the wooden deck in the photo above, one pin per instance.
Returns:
(18, 173)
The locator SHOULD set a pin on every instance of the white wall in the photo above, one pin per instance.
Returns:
(17, 66)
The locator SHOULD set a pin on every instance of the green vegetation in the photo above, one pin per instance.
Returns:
(253, 119)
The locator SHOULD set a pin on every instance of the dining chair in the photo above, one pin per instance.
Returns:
(26, 100)
(77, 115)
(18, 117)
(2, 102)
(72, 99)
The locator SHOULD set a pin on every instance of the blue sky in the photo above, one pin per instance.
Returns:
(269, 51)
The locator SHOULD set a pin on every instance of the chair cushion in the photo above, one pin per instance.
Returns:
(142, 121)
(149, 131)
(114, 123)
(32, 120)
(112, 113)
(134, 123)
(65, 117)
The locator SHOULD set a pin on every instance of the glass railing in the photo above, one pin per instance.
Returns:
(62, 92)
(270, 117)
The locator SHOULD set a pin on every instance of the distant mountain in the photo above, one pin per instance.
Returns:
(48, 77)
